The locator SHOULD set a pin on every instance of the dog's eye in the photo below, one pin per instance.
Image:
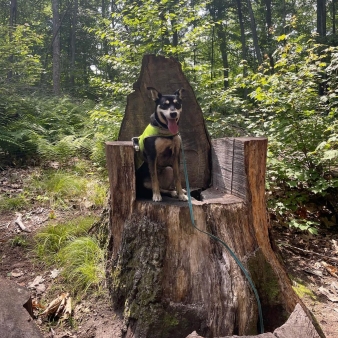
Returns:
(177, 105)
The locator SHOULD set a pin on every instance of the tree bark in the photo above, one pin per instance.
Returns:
(222, 37)
(56, 49)
(12, 23)
(243, 43)
(254, 33)
(321, 17)
(73, 43)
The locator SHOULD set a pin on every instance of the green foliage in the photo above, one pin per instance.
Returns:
(294, 105)
(19, 63)
(48, 129)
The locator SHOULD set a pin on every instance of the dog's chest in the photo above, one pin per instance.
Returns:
(167, 150)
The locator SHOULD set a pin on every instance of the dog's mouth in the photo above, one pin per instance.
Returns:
(172, 125)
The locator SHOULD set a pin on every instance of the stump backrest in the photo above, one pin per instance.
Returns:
(165, 74)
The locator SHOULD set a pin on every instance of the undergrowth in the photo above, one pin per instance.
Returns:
(69, 247)
(78, 186)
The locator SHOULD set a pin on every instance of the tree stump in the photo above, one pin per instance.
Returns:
(168, 279)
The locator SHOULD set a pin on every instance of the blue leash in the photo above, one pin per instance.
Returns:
(223, 243)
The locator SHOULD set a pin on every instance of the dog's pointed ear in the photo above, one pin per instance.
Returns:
(179, 92)
(155, 95)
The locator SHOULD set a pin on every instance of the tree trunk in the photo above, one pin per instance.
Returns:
(12, 23)
(268, 18)
(254, 33)
(167, 278)
(73, 43)
(321, 17)
(333, 17)
(222, 37)
(56, 48)
(243, 42)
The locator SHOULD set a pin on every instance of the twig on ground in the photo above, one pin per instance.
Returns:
(19, 222)
(308, 252)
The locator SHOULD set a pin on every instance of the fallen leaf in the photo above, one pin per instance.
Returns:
(55, 305)
(328, 294)
(335, 246)
(37, 305)
(36, 282)
(41, 288)
(17, 274)
(332, 270)
(68, 308)
(54, 273)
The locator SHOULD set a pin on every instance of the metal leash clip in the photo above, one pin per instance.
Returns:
(136, 143)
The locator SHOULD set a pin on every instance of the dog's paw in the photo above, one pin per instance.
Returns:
(157, 197)
(183, 197)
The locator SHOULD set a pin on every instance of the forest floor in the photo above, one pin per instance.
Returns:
(311, 262)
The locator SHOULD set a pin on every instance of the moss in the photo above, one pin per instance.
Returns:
(302, 291)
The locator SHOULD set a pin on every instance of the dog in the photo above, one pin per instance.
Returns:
(160, 146)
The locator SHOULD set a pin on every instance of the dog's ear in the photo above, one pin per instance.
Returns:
(179, 92)
(155, 95)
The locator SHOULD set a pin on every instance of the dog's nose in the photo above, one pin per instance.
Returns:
(173, 115)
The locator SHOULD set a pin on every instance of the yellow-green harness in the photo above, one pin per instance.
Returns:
(150, 131)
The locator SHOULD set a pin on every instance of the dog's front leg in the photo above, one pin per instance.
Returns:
(177, 179)
(154, 181)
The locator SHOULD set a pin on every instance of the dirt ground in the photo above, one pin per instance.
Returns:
(311, 261)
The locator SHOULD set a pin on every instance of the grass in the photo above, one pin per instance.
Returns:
(20, 240)
(83, 264)
(71, 249)
(50, 240)
(63, 189)
(14, 203)
(65, 245)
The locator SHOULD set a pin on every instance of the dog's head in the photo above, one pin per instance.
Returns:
(168, 108)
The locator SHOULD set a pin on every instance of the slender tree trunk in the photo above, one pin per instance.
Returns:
(243, 41)
(333, 16)
(254, 33)
(268, 17)
(222, 36)
(73, 43)
(12, 23)
(321, 17)
(56, 49)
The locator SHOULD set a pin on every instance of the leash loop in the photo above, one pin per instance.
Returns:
(232, 254)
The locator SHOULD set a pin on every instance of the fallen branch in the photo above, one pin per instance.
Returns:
(19, 222)
(308, 252)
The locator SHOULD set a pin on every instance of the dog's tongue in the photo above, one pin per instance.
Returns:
(172, 126)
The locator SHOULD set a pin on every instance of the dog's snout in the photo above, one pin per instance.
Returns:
(173, 114)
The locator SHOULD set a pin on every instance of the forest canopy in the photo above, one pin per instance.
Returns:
(262, 67)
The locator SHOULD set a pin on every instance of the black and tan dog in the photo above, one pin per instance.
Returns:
(159, 147)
